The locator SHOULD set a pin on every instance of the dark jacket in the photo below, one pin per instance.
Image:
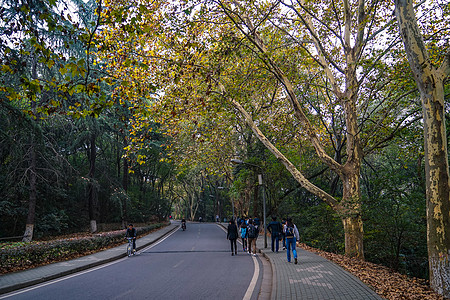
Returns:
(274, 228)
(131, 233)
(232, 232)
(251, 227)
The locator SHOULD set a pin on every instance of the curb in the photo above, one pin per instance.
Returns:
(273, 290)
(274, 275)
(22, 285)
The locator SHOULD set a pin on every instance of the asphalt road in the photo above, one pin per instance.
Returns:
(191, 264)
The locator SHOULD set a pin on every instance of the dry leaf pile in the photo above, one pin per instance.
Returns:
(384, 281)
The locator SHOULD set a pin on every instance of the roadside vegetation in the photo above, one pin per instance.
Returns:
(119, 111)
(17, 256)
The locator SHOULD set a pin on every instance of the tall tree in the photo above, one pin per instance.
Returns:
(430, 80)
(352, 28)
(269, 60)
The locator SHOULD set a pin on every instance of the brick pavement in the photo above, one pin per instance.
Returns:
(314, 277)
(22, 279)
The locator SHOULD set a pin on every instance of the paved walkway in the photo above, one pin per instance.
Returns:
(314, 277)
(18, 280)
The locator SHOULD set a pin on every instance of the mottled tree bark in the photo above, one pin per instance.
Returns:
(92, 189)
(430, 81)
(29, 227)
(32, 176)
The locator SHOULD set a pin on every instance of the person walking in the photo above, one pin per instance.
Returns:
(291, 232)
(244, 236)
(232, 235)
(283, 236)
(252, 236)
(275, 230)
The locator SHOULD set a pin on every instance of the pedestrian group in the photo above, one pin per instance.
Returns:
(247, 229)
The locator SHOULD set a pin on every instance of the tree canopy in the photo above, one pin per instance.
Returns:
(133, 110)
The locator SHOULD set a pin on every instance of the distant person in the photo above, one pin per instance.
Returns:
(183, 224)
(252, 236)
(275, 230)
(244, 236)
(291, 232)
(232, 235)
(283, 236)
(200, 219)
(132, 233)
(239, 222)
(256, 222)
(217, 219)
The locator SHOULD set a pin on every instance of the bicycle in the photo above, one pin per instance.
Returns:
(130, 246)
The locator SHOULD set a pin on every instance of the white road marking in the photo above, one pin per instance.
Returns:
(312, 280)
(315, 270)
(178, 264)
(251, 287)
(60, 279)
(79, 273)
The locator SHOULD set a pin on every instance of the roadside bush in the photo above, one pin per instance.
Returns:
(19, 255)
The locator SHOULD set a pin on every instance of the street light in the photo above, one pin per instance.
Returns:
(260, 181)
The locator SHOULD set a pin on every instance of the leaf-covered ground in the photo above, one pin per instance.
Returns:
(384, 281)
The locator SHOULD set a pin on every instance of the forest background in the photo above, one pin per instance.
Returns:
(131, 111)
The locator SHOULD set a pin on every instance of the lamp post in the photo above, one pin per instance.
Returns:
(260, 181)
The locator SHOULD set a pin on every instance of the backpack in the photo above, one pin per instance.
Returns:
(252, 232)
(289, 232)
(243, 232)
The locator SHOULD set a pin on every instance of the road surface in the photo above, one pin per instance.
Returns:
(191, 264)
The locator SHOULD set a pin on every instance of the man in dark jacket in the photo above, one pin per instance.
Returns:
(232, 235)
(131, 232)
(275, 230)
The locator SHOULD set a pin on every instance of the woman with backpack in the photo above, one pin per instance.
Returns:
(244, 236)
(252, 233)
(232, 235)
(291, 233)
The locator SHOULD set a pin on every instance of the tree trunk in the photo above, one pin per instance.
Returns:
(430, 81)
(125, 188)
(353, 228)
(437, 190)
(255, 202)
(350, 212)
(92, 192)
(29, 227)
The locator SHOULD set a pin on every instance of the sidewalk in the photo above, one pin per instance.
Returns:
(314, 277)
(18, 280)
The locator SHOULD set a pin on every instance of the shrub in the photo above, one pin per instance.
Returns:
(21, 255)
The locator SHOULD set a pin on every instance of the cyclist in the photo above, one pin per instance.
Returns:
(131, 232)
(183, 223)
